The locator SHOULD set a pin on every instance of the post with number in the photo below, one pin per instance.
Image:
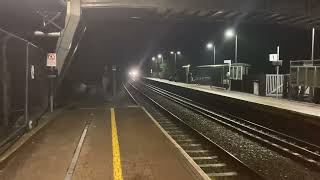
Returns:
(275, 59)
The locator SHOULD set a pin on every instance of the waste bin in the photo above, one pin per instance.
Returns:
(256, 87)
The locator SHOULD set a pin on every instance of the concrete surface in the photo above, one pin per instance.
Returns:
(145, 151)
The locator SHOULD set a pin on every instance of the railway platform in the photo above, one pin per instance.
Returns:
(303, 108)
(99, 142)
(297, 119)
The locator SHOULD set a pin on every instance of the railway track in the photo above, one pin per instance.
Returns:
(215, 162)
(299, 150)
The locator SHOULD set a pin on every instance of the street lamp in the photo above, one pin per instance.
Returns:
(160, 57)
(42, 34)
(153, 58)
(175, 58)
(230, 34)
(211, 46)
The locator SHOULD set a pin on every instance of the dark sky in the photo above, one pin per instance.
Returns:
(133, 42)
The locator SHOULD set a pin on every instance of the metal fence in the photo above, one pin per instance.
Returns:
(23, 87)
(275, 84)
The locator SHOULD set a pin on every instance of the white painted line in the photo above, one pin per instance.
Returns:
(191, 145)
(194, 165)
(205, 158)
(197, 151)
(224, 174)
(76, 155)
(212, 165)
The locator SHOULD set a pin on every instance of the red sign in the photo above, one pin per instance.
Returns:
(52, 60)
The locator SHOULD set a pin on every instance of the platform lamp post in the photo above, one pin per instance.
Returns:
(211, 46)
(312, 46)
(230, 33)
(155, 67)
(175, 53)
(160, 57)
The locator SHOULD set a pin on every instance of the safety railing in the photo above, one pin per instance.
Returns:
(305, 63)
(23, 85)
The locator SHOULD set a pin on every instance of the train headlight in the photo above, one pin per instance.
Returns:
(134, 73)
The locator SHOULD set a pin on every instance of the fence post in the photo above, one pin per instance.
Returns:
(6, 98)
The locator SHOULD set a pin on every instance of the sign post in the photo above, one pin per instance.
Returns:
(229, 63)
(114, 79)
(52, 63)
(275, 59)
(278, 55)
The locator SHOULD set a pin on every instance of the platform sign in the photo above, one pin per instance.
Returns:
(52, 60)
(227, 61)
(273, 57)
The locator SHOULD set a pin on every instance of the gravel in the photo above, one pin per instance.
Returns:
(268, 163)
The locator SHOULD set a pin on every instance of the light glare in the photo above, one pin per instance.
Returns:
(134, 73)
(210, 46)
(229, 33)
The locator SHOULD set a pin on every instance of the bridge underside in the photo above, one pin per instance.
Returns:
(299, 13)
(304, 13)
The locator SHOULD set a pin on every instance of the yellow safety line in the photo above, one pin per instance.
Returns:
(117, 171)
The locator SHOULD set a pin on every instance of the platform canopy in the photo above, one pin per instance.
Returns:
(291, 12)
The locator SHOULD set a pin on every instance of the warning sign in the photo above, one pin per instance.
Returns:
(52, 60)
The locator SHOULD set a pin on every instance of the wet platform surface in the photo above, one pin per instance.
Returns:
(303, 108)
(144, 151)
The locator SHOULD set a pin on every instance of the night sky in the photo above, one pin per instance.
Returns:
(134, 42)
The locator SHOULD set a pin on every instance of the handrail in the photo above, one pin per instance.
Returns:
(305, 63)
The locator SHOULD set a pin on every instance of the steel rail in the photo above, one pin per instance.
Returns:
(231, 157)
(302, 143)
